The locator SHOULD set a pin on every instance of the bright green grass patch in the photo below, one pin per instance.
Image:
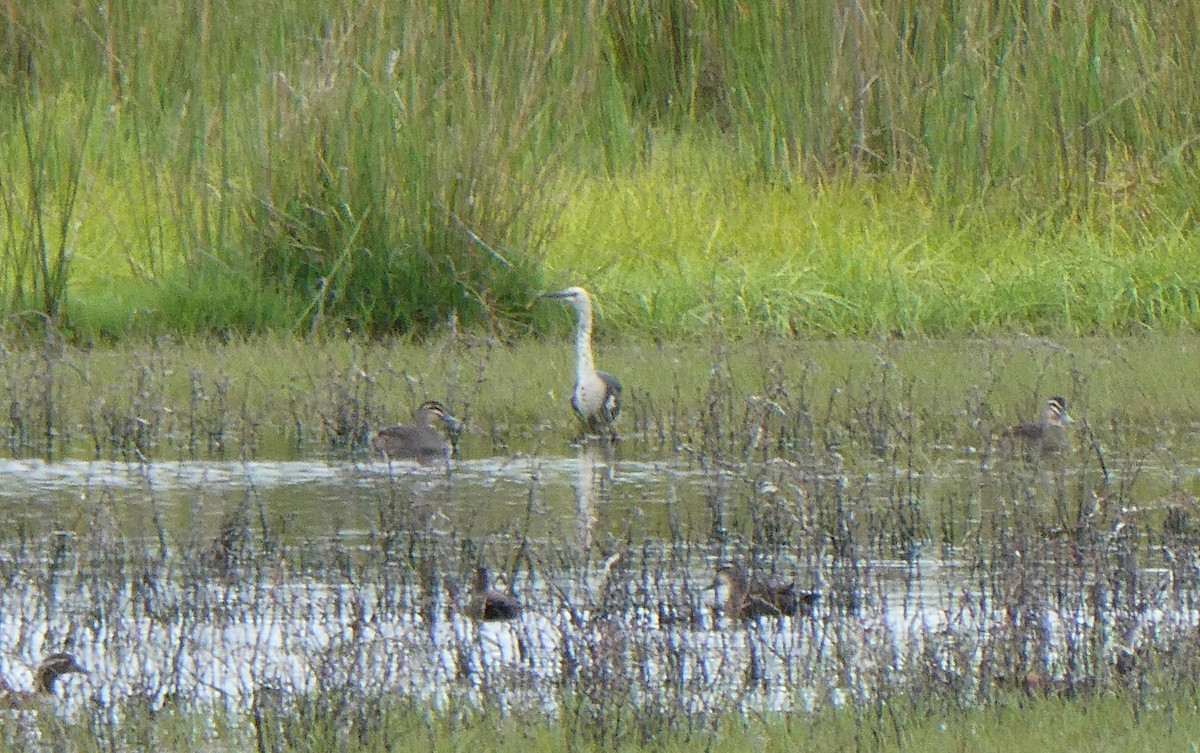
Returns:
(688, 242)
(209, 300)
(1103, 725)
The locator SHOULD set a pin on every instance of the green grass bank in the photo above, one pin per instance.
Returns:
(1012, 725)
(898, 168)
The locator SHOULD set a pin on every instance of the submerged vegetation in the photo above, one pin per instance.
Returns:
(969, 595)
(895, 168)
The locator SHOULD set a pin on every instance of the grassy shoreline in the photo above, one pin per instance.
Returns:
(674, 253)
(1013, 724)
(277, 396)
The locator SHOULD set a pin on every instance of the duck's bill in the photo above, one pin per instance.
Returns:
(454, 428)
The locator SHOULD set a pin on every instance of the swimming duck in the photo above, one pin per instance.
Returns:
(44, 679)
(1048, 434)
(421, 440)
(747, 599)
(490, 604)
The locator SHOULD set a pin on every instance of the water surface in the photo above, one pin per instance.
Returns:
(213, 583)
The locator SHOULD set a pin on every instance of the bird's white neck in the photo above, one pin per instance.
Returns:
(584, 365)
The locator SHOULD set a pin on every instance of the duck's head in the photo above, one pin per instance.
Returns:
(432, 413)
(1055, 412)
(53, 667)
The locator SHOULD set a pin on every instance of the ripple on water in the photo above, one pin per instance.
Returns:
(300, 631)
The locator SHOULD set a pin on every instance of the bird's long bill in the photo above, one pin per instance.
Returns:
(556, 294)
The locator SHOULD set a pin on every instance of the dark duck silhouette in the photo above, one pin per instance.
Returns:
(747, 599)
(490, 604)
(1047, 435)
(44, 679)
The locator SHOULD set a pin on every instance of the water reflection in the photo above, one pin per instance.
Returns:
(214, 583)
(595, 463)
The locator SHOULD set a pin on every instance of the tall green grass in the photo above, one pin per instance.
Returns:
(898, 167)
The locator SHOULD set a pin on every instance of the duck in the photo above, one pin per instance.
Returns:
(422, 440)
(44, 679)
(490, 604)
(1048, 434)
(596, 396)
(748, 599)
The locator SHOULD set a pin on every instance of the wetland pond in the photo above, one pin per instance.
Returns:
(945, 563)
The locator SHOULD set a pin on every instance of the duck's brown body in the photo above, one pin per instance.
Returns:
(749, 599)
(1048, 435)
(428, 439)
(490, 604)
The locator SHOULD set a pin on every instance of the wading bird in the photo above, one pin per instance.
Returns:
(491, 604)
(48, 672)
(1048, 434)
(746, 599)
(421, 440)
(596, 396)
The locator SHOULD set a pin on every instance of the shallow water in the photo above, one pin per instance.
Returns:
(340, 576)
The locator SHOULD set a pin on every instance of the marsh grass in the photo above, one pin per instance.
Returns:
(1106, 725)
(367, 689)
(672, 253)
(766, 419)
(914, 169)
(39, 195)
(812, 461)
(743, 399)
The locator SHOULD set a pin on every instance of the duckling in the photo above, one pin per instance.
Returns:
(47, 673)
(1048, 434)
(420, 440)
(596, 396)
(489, 604)
(748, 599)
